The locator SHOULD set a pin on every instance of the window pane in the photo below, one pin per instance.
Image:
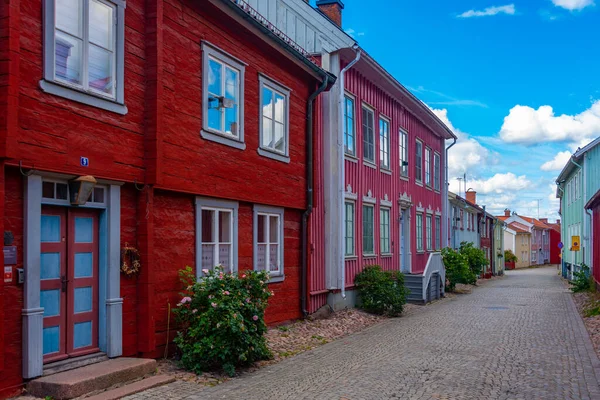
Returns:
(69, 16)
(279, 137)
(68, 58)
(208, 256)
(98, 195)
(224, 226)
(261, 257)
(267, 132)
(231, 81)
(231, 92)
(225, 256)
(214, 116)
(101, 26)
(101, 69)
(48, 190)
(274, 229)
(207, 226)
(62, 191)
(231, 120)
(261, 229)
(214, 77)
(349, 217)
(367, 229)
(279, 108)
(273, 258)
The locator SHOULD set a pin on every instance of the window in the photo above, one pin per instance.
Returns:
(428, 232)
(403, 153)
(368, 237)
(436, 171)
(384, 224)
(419, 228)
(83, 54)
(468, 221)
(268, 241)
(216, 238)
(349, 139)
(349, 236)
(274, 122)
(438, 233)
(419, 162)
(384, 143)
(222, 98)
(368, 121)
(427, 166)
(522, 240)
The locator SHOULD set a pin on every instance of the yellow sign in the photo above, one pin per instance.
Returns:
(575, 243)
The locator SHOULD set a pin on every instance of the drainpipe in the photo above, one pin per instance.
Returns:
(446, 201)
(309, 188)
(341, 184)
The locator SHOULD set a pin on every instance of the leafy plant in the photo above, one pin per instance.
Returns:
(381, 292)
(475, 258)
(509, 256)
(457, 269)
(221, 319)
(582, 281)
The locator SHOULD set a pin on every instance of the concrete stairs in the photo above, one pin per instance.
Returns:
(111, 379)
(414, 283)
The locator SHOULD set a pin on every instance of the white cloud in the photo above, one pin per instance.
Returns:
(467, 153)
(558, 162)
(497, 184)
(573, 5)
(353, 33)
(446, 100)
(507, 9)
(527, 125)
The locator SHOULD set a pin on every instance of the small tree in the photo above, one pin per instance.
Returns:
(475, 258)
(509, 256)
(381, 292)
(457, 269)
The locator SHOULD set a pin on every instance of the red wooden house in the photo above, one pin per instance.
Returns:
(381, 195)
(195, 122)
(554, 234)
(593, 205)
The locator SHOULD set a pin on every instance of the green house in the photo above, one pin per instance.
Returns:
(576, 184)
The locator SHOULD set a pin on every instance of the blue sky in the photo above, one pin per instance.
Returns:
(488, 67)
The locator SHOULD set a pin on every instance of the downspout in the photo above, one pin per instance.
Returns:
(585, 211)
(342, 169)
(309, 188)
(446, 200)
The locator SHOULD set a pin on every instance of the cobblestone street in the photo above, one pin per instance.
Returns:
(518, 337)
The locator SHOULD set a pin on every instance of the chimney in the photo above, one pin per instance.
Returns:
(472, 197)
(507, 212)
(332, 9)
(544, 220)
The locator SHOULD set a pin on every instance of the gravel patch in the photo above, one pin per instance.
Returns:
(585, 303)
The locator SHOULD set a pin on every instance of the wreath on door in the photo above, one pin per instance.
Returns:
(130, 260)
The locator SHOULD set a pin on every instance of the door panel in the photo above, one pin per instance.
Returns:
(82, 296)
(52, 276)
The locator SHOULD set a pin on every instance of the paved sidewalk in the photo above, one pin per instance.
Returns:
(519, 337)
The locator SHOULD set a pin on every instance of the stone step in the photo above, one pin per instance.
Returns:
(72, 363)
(91, 378)
(133, 388)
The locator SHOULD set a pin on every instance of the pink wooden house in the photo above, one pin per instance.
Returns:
(380, 191)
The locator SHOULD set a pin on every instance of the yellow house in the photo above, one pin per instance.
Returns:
(522, 245)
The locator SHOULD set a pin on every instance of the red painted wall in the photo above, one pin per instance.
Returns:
(554, 250)
(596, 242)
(363, 178)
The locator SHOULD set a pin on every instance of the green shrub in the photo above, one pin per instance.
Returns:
(582, 281)
(457, 269)
(381, 292)
(475, 258)
(509, 256)
(221, 319)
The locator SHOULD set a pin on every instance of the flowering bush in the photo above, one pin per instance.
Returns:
(221, 319)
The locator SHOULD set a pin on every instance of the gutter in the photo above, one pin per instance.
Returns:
(446, 203)
(309, 188)
(341, 183)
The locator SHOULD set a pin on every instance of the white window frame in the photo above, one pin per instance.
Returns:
(345, 119)
(269, 211)
(419, 162)
(436, 171)
(50, 84)
(387, 210)
(372, 207)
(204, 203)
(419, 231)
(429, 232)
(264, 82)
(438, 232)
(403, 153)
(427, 167)
(384, 143)
(346, 237)
(370, 111)
(209, 52)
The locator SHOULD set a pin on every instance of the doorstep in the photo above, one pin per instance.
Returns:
(91, 378)
(72, 363)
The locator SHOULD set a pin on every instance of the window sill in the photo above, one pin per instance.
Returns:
(387, 255)
(82, 97)
(418, 183)
(276, 279)
(222, 139)
(273, 155)
(369, 164)
(369, 255)
(385, 171)
(351, 158)
(350, 258)
(404, 178)
(428, 187)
